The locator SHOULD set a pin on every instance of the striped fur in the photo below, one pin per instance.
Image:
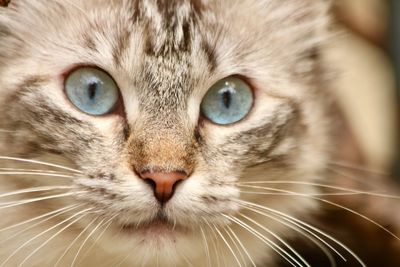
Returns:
(164, 56)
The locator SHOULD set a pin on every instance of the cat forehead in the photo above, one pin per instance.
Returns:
(166, 45)
(162, 46)
(162, 28)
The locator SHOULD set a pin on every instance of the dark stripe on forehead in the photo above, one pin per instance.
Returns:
(210, 53)
(177, 27)
(89, 43)
(121, 45)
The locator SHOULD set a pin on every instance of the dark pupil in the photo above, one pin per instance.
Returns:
(227, 99)
(92, 89)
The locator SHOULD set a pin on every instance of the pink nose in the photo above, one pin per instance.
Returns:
(163, 183)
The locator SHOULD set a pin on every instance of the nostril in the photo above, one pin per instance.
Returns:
(151, 183)
(163, 183)
(175, 185)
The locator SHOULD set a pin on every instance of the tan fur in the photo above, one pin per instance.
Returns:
(164, 56)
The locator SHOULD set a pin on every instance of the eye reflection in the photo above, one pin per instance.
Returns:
(228, 101)
(92, 91)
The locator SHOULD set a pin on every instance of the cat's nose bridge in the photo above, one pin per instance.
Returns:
(162, 153)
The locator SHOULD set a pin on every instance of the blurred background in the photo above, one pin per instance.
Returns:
(368, 49)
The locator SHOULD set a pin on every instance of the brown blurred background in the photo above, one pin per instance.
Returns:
(365, 48)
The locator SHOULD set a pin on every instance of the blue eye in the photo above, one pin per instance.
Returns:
(228, 101)
(92, 91)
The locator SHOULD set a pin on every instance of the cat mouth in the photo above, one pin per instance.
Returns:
(160, 225)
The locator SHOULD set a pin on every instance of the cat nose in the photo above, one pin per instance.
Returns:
(163, 183)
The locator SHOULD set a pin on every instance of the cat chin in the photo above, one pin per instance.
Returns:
(155, 244)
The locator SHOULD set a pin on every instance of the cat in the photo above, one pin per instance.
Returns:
(163, 133)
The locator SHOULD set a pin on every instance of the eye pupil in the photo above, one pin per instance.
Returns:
(227, 99)
(92, 89)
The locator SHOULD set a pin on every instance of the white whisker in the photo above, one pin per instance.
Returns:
(214, 240)
(189, 263)
(242, 246)
(347, 165)
(40, 163)
(361, 180)
(49, 239)
(41, 234)
(85, 241)
(37, 174)
(321, 243)
(295, 193)
(56, 212)
(107, 225)
(32, 170)
(34, 190)
(279, 250)
(228, 245)
(350, 191)
(235, 243)
(344, 208)
(207, 249)
(278, 238)
(284, 215)
(361, 216)
(74, 241)
(32, 200)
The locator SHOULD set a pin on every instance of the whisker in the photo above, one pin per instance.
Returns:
(214, 240)
(350, 191)
(37, 174)
(107, 225)
(278, 238)
(119, 262)
(34, 190)
(56, 212)
(242, 246)
(365, 182)
(49, 239)
(41, 234)
(184, 257)
(74, 241)
(295, 193)
(321, 243)
(228, 245)
(85, 241)
(344, 208)
(284, 215)
(32, 170)
(280, 251)
(207, 250)
(361, 216)
(40, 163)
(53, 215)
(234, 242)
(346, 165)
(32, 200)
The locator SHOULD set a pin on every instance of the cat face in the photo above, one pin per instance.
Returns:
(152, 158)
